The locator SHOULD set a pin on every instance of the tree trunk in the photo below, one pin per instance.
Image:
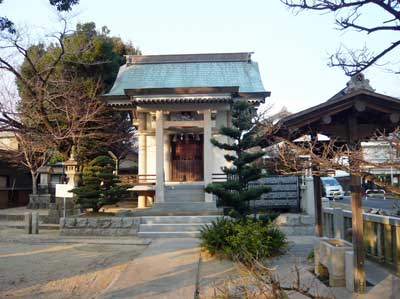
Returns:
(34, 182)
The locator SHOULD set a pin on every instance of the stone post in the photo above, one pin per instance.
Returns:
(142, 158)
(307, 196)
(35, 223)
(338, 223)
(159, 156)
(207, 153)
(28, 222)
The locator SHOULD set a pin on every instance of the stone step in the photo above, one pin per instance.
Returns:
(177, 227)
(194, 234)
(177, 219)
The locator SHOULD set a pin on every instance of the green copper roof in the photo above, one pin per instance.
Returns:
(190, 73)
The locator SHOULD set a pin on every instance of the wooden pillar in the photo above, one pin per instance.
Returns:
(318, 205)
(356, 207)
(207, 153)
(357, 234)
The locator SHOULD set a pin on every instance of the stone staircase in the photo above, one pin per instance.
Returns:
(173, 226)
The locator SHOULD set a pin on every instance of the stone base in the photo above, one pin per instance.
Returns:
(112, 226)
(56, 210)
(330, 260)
(39, 201)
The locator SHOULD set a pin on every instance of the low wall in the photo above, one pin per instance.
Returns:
(111, 226)
(296, 224)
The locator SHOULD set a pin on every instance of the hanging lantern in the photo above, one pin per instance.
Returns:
(174, 138)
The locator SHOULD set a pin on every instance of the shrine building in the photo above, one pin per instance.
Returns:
(178, 103)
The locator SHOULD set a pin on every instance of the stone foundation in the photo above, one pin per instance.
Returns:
(296, 224)
(39, 201)
(330, 260)
(112, 226)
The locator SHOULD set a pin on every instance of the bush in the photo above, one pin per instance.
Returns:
(99, 185)
(242, 239)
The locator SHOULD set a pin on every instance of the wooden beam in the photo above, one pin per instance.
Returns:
(317, 205)
(357, 212)
(357, 235)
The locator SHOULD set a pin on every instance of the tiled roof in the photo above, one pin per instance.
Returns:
(184, 71)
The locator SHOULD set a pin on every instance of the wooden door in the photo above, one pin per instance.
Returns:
(187, 157)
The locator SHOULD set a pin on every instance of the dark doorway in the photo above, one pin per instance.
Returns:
(186, 157)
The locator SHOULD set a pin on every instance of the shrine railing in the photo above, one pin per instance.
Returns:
(381, 234)
(137, 179)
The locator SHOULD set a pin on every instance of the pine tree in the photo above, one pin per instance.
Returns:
(244, 136)
(99, 185)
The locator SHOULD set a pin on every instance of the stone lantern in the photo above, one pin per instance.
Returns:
(72, 170)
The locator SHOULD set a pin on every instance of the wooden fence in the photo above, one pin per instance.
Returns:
(381, 234)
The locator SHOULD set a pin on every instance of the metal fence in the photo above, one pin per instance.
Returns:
(381, 234)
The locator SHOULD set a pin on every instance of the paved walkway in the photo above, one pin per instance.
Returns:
(167, 269)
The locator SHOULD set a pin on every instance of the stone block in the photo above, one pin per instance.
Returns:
(287, 230)
(116, 223)
(294, 219)
(92, 222)
(81, 222)
(104, 223)
(70, 222)
(127, 222)
(307, 220)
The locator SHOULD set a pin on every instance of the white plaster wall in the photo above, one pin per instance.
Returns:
(218, 155)
(221, 119)
(151, 154)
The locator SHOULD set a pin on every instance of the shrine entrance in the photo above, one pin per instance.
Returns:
(186, 157)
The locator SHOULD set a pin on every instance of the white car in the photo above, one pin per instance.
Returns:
(332, 188)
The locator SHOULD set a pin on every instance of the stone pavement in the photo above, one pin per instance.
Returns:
(167, 269)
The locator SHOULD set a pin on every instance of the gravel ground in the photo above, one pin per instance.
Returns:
(46, 270)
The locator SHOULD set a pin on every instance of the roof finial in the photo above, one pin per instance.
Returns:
(358, 82)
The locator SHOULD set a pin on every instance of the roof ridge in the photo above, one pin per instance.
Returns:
(189, 58)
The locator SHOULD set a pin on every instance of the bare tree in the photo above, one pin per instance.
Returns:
(296, 157)
(257, 281)
(348, 14)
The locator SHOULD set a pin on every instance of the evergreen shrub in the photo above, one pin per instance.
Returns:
(242, 239)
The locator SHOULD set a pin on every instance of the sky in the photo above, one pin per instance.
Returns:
(292, 50)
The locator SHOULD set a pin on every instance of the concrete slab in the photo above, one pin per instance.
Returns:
(213, 274)
(167, 269)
